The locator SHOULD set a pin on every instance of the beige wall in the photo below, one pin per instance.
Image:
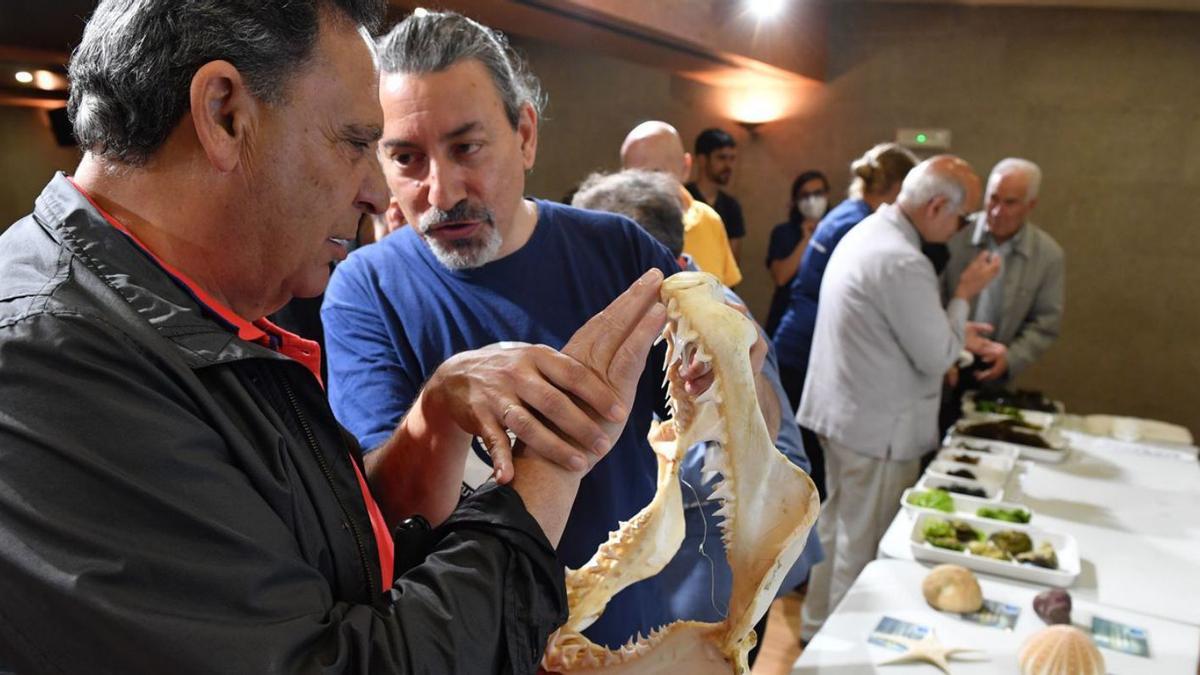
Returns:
(28, 159)
(1105, 101)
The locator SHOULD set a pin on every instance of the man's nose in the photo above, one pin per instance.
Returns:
(445, 185)
(373, 194)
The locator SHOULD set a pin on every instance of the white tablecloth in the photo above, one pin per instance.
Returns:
(893, 588)
(1135, 514)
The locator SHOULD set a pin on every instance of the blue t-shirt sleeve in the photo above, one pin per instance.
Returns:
(370, 389)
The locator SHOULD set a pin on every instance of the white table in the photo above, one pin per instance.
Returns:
(1136, 516)
(893, 588)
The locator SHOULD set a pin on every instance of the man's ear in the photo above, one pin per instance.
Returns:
(223, 112)
(935, 206)
(1033, 204)
(687, 167)
(527, 131)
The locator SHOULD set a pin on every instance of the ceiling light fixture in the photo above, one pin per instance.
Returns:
(24, 76)
(48, 81)
(765, 9)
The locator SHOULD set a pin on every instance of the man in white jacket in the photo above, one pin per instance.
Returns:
(882, 344)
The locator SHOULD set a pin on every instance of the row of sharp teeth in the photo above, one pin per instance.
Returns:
(716, 461)
(583, 653)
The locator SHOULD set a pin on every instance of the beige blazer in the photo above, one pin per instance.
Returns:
(1034, 283)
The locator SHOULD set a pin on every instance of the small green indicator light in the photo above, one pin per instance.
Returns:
(922, 138)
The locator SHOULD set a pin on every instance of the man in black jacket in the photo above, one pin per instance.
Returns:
(175, 495)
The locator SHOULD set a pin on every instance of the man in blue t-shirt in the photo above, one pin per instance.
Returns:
(480, 264)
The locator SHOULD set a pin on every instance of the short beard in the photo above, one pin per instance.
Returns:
(462, 254)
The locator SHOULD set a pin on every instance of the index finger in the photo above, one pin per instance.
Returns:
(603, 334)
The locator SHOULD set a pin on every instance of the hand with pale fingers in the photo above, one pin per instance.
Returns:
(973, 338)
(614, 345)
(698, 376)
(537, 392)
(995, 355)
(977, 275)
(952, 377)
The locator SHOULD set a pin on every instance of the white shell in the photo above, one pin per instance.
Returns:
(1060, 650)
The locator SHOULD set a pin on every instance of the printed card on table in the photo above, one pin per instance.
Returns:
(890, 626)
(995, 614)
(1119, 637)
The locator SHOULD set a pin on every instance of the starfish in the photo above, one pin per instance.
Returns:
(926, 649)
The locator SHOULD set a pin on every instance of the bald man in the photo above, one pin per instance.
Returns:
(656, 146)
(881, 346)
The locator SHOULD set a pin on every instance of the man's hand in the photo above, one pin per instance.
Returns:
(614, 345)
(568, 408)
(977, 275)
(698, 376)
(952, 377)
(995, 354)
(973, 340)
(528, 389)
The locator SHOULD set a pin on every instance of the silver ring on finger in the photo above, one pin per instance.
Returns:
(512, 435)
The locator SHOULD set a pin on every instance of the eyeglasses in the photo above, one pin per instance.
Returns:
(815, 193)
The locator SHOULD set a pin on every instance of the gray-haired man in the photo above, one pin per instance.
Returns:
(481, 264)
(1025, 302)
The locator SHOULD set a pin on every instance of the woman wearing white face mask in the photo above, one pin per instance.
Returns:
(809, 204)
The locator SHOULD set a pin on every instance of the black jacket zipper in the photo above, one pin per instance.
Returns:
(372, 584)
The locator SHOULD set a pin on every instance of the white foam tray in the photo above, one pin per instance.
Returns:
(1038, 417)
(932, 480)
(964, 505)
(1058, 452)
(1003, 463)
(1065, 547)
(957, 443)
(984, 474)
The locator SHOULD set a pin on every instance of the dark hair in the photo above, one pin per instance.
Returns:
(433, 41)
(713, 139)
(649, 198)
(793, 210)
(132, 71)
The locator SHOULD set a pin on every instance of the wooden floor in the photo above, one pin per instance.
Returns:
(781, 644)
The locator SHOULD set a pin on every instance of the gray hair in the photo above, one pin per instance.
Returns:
(649, 198)
(131, 73)
(430, 42)
(1017, 165)
(924, 183)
